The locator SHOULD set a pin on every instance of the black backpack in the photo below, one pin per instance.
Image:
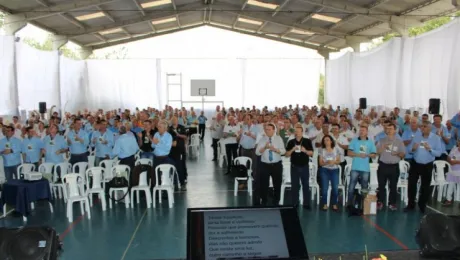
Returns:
(239, 171)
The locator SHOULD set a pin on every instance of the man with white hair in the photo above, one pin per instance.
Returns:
(125, 148)
(162, 143)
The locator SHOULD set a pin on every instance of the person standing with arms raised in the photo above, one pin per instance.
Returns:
(300, 150)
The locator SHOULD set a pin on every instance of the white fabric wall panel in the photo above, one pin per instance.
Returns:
(8, 91)
(404, 72)
(74, 84)
(338, 91)
(37, 77)
(122, 83)
(372, 75)
(279, 82)
(453, 85)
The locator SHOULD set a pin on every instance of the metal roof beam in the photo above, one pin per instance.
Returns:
(308, 17)
(43, 2)
(147, 36)
(280, 7)
(137, 20)
(72, 20)
(139, 7)
(44, 12)
(347, 7)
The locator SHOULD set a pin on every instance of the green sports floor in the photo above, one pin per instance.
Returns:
(160, 233)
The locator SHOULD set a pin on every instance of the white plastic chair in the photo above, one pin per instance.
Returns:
(25, 168)
(82, 167)
(120, 171)
(2, 171)
(438, 179)
(144, 161)
(222, 153)
(373, 180)
(286, 182)
(71, 182)
(168, 171)
(341, 186)
(349, 160)
(247, 162)
(194, 145)
(314, 186)
(403, 181)
(64, 168)
(143, 186)
(91, 161)
(137, 156)
(46, 169)
(96, 174)
(107, 165)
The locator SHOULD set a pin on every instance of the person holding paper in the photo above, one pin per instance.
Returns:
(10, 149)
(300, 150)
(426, 148)
(390, 150)
(231, 145)
(361, 149)
(329, 160)
(270, 148)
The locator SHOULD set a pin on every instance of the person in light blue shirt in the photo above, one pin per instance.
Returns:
(426, 148)
(10, 148)
(455, 121)
(78, 141)
(54, 146)
(453, 132)
(102, 141)
(440, 130)
(360, 149)
(202, 125)
(125, 148)
(32, 148)
(408, 138)
(162, 143)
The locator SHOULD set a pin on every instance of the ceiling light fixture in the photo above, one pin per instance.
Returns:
(162, 21)
(326, 18)
(302, 32)
(249, 21)
(155, 3)
(111, 31)
(90, 16)
(262, 4)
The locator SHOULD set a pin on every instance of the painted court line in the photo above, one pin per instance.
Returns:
(134, 235)
(70, 227)
(7, 213)
(399, 243)
(435, 210)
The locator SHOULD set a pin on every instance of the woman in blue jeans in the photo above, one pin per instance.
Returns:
(329, 160)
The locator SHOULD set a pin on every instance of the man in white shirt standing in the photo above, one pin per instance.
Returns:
(217, 131)
(270, 148)
(231, 145)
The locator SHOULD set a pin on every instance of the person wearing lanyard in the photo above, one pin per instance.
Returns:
(54, 146)
(247, 139)
(32, 147)
(78, 142)
(125, 148)
(426, 148)
(299, 150)
(10, 148)
(103, 142)
(162, 143)
(144, 139)
(270, 148)
(390, 150)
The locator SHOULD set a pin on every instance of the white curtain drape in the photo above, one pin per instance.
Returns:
(74, 84)
(404, 72)
(122, 84)
(280, 82)
(8, 90)
(37, 77)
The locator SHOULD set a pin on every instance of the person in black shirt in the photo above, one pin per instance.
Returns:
(300, 149)
(145, 140)
(179, 134)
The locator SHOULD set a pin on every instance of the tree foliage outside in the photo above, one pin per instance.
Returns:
(321, 89)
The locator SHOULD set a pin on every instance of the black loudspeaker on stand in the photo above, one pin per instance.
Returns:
(29, 243)
(42, 107)
(362, 103)
(434, 106)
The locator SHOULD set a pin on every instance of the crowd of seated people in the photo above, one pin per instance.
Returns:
(325, 137)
